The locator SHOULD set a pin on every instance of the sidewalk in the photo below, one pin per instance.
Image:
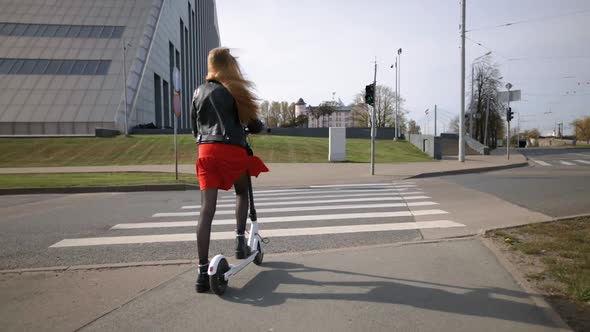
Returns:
(445, 286)
(292, 174)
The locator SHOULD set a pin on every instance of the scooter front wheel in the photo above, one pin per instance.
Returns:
(259, 255)
(217, 281)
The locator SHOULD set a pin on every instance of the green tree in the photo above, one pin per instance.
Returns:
(582, 128)
(324, 109)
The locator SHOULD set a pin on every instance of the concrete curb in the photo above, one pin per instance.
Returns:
(484, 231)
(536, 297)
(468, 171)
(99, 189)
(194, 261)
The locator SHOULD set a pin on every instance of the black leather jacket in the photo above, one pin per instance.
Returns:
(214, 116)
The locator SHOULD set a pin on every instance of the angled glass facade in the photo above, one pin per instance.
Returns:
(64, 67)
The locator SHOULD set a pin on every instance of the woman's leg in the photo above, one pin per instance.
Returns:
(208, 206)
(241, 187)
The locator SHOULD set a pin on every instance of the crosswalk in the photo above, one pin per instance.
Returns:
(311, 211)
(576, 162)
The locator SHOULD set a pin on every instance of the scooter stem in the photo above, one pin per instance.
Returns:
(251, 199)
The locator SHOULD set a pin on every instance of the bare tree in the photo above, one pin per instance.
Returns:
(274, 118)
(485, 99)
(385, 99)
(265, 112)
(360, 115)
(413, 128)
(454, 125)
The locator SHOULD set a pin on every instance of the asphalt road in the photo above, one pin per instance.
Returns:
(557, 183)
(33, 228)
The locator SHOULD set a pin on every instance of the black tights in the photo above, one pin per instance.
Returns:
(208, 206)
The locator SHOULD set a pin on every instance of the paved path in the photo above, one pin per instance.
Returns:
(289, 174)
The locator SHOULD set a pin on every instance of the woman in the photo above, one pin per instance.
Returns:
(221, 109)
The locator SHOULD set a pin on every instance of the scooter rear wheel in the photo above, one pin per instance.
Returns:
(259, 256)
(217, 281)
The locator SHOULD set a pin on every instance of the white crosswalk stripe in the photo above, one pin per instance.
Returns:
(267, 220)
(303, 208)
(381, 207)
(540, 162)
(346, 200)
(313, 191)
(287, 198)
(577, 162)
(184, 237)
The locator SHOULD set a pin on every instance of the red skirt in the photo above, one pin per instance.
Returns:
(220, 165)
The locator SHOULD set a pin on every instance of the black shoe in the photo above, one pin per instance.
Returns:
(242, 250)
(202, 285)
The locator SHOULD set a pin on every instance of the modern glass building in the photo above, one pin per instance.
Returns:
(66, 65)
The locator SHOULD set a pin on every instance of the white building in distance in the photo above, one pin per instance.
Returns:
(341, 117)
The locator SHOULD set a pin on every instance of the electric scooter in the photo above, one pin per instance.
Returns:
(220, 271)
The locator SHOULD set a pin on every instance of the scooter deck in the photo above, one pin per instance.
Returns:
(236, 268)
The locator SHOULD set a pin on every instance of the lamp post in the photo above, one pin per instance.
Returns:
(125, 45)
(399, 83)
(508, 87)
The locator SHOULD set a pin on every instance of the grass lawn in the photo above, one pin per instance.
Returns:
(90, 179)
(159, 149)
(555, 257)
(582, 146)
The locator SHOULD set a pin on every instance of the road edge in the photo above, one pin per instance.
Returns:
(534, 295)
(467, 171)
(99, 189)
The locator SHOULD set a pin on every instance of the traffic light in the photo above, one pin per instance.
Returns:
(370, 94)
(509, 114)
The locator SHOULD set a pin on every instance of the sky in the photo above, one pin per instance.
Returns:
(311, 48)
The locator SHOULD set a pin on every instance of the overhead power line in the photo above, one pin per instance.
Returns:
(487, 48)
(531, 20)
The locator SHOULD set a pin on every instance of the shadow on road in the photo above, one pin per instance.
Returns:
(263, 291)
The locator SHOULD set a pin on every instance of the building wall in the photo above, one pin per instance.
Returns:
(76, 104)
(64, 104)
(198, 18)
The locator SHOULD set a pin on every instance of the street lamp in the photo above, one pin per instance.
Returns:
(399, 83)
(125, 46)
(396, 98)
(472, 92)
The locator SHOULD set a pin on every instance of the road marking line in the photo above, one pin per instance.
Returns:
(386, 194)
(582, 154)
(185, 237)
(563, 162)
(540, 162)
(302, 208)
(319, 217)
(319, 191)
(362, 185)
(583, 161)
(339, 200)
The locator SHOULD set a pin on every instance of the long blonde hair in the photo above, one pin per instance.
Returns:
(224, 68)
